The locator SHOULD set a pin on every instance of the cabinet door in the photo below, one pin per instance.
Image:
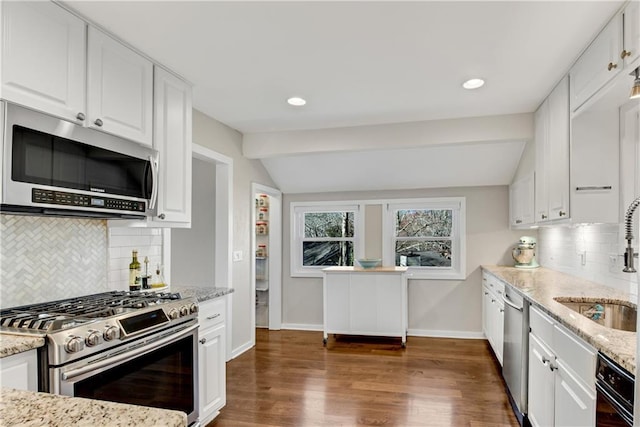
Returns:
(211, 362)
(120, 89)
(336, 303)
(173, 142)
(631, 32)
(43, 58)
(486, 315)
(389, 300)
(499, 330)
(20, 371)
(558, 152)
(598, 64)
(574, 404)
(521, 199)
(541, 384)
(541, 181)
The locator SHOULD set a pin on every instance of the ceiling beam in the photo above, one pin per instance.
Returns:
(510, 127)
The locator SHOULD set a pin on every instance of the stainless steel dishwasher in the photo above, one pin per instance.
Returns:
(516, 350)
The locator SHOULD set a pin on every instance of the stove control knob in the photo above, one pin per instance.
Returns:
(111, 333)
(73, 344)
(184, 311)
(193, 308)
(93, 338)
(173, 313)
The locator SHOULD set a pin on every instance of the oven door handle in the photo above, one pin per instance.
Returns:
(128, 355)
(628, 418)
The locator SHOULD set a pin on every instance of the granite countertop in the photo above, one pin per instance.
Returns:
(14, 344)
(200, 293)
(540, 286)
(27, 408)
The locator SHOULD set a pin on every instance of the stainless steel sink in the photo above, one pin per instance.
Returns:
(617, 315)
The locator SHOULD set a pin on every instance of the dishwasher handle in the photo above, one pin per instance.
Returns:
(506, 300)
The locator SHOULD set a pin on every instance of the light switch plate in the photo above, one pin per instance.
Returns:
(237, 256)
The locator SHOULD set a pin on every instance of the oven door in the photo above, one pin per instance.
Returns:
(158, 371)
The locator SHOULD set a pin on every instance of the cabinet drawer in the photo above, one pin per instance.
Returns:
(494, 284)
(541, 326)
(576, 354)
(212, 313)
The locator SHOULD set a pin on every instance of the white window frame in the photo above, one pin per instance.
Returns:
(457, 271)
(298, 209)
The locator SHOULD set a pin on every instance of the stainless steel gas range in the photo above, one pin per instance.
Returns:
(130, 347)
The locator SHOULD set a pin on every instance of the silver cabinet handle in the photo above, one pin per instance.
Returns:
(593, 188)
(507, 301)
(552, 367)
(562, 213)
(203, 340)
(80, 116)
(154, 188)
(214, 316)
(161, 216)
(98, 122)
(544, 360)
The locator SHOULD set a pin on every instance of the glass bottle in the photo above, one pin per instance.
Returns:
(134, 273)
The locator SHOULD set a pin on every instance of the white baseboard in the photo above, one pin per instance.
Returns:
(302, 327)
(445, 334)
(239, 350)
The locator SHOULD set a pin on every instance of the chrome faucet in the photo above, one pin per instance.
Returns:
(628, 226)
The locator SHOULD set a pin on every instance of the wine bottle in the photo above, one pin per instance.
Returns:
(134, 273)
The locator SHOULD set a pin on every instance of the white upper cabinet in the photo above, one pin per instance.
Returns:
(552, 155)
(598, 64)
(173, 142)
(615, 49)
(558, 148)
(522, 201)
(43, 58)
(631, 37)
(120, 89)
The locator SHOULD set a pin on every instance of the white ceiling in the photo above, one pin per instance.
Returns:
(357, 63)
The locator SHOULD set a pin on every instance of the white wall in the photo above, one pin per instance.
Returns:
(592, 252)
(193, 249)
(212, 134)
(436, 307)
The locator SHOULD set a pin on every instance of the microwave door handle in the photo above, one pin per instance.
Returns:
(154, 178)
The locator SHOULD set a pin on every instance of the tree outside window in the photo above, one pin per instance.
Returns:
(328, 239)
(423, 237)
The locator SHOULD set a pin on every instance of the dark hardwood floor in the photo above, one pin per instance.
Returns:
(290, 379)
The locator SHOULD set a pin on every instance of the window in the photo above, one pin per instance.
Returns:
(427, 235)
(323, 235)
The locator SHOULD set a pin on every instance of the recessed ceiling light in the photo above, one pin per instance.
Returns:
(296, 101)
(473, 84)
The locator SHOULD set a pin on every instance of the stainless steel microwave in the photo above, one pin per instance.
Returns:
(54, 167)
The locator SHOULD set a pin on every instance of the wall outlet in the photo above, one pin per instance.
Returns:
(237, 256)
(613, 263)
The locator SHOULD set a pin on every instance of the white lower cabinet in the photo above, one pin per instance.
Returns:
(493, 313)
(20, 371)
(541, 384)
(212, 359)
(561, 375)
(365, 302)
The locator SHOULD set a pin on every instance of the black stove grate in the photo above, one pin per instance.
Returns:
(59, 314)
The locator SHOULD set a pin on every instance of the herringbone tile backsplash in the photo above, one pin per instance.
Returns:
(45, 259)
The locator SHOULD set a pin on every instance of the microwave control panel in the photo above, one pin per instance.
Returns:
(82, 200)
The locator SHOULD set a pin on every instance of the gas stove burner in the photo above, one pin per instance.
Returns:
(62, 314)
